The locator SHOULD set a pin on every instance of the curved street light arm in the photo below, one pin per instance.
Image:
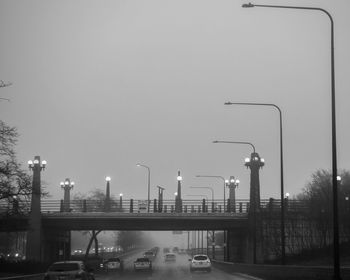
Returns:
(236, 142)
(212, 191)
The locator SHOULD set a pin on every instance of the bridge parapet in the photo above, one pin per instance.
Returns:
(137, 206)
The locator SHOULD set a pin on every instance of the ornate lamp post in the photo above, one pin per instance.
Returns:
(33, 247)
(108, 195)
(120, 202)
(178, 199)
(67, 185)
(232, 184)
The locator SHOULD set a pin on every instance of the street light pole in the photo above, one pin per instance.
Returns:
(148, 183)
(67, 185)
(219, 177)
(283, 257)
(212, 197)
(334, 134)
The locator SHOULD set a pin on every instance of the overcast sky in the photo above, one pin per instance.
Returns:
(99, 86)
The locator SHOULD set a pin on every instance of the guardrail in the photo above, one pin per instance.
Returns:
(38, 276)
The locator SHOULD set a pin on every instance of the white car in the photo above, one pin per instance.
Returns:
(142, 264)
(170, 257)
(200, 262)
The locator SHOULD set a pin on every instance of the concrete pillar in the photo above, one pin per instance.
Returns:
(254, 249)
(236, 242)
(34, 234)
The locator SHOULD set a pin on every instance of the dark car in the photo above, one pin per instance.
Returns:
(150, 255)
(143, 264)
(67, 270)
(114, 264)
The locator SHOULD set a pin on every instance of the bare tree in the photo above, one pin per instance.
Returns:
(15, 183)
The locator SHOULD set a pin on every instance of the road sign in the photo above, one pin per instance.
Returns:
(142, 206)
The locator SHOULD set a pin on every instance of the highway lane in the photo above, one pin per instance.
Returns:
(169, 271)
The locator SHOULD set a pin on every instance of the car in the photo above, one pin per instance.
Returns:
(114, 264)
(66, 270)
(200, 262)
(170, 257)
(166, 250)
(150, 255)
(143, 264)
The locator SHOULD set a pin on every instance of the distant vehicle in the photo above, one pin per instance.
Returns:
(166, 250)
(200, 262)
(143, 264)
(78, 252)
(170, 257)
(150, 255)
(114, 264)
(155, 250)
(68, 270)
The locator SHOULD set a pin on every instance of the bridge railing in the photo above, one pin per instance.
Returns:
(141, 206)
(167, 206)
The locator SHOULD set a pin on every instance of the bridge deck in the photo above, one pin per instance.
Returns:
(129, 221)
(144, 221)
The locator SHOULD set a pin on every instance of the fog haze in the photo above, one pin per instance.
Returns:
(99, 86)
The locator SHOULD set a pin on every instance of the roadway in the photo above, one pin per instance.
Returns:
(169, 271)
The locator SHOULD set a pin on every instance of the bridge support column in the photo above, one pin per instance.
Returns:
(236, 244)
(254, 246)
(56, 245)
(34, 234)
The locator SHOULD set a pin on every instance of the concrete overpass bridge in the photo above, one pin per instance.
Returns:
(195, 215)
(49, 223)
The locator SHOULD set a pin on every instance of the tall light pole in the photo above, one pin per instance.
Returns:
(148, 183)
(334, 134)
(219, 177)
(209, 188)
(283, 254)
(212, 198)
(67, 185)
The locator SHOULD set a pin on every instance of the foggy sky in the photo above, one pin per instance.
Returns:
(99, 86)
